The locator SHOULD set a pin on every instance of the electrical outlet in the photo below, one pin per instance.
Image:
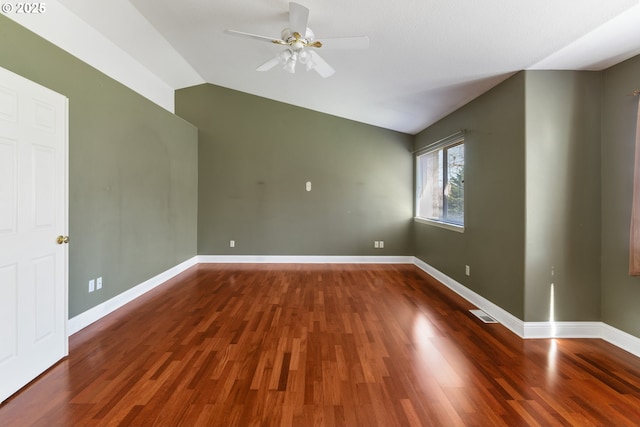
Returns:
(92, 285)
(99, 283)
(381, 244)
(376, 244)
(232, 243)
(467, 270)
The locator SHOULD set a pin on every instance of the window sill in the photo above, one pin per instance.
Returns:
(440, 224)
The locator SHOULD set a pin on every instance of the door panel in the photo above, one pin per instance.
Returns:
(43, 160)
(8, 312)
(8, 189)
(44, 286)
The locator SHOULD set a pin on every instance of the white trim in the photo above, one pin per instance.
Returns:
(86, 318)
(440, 224)
(66, 224)
(305, 259)
(533, 330)
(538, 330)
(525, 330)
(94, 314)
(621, 339)
(507, 319)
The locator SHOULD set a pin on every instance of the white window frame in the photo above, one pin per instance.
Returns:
(441, 145)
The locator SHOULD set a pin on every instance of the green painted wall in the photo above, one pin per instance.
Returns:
(562, 195)
(255, 156)
(493, 241)
(620, 292)
(132, 172)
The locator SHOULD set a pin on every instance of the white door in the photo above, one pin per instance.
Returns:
(33, 213)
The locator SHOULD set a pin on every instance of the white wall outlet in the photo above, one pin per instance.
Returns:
(467, 270)
(99, 283)
(232, 243)
(307, 186)
(381, 244)
(376, 244)
(92, 285)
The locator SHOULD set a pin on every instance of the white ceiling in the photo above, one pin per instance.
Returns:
(426, 57)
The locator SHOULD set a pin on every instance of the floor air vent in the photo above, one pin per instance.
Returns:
(483, 316)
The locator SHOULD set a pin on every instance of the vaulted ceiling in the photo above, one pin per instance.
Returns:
(426, 57)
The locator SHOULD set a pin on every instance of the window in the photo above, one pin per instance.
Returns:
(440, 183)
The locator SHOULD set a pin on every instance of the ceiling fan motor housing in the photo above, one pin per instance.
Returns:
(297, 43)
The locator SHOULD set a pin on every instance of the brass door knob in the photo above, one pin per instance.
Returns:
(62, 239)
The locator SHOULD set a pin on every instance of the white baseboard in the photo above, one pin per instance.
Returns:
(563, 330)
(507, 319)
(526, 330)
(305, 259)
(538, 330)
(621, 339)
(86, 318)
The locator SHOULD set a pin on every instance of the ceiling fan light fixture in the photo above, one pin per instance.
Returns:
(309, 65)
(301, 44)
(305, 57)
(290, 65)
(284, 56)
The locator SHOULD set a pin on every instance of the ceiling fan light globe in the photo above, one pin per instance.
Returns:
(284, 56)
(290, 66)
(304, 57)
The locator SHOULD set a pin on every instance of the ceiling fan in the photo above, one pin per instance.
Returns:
(301, 44)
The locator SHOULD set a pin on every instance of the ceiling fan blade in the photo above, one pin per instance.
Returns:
(269, 64)
(361, 42)
(321, 65)
(298, 18)
(252, 36)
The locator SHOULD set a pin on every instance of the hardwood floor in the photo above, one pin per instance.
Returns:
(322, 345)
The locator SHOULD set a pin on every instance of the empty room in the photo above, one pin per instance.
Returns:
(410, 213)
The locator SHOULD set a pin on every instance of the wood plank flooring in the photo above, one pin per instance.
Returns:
(322, 345)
